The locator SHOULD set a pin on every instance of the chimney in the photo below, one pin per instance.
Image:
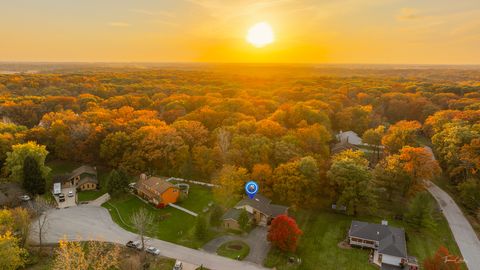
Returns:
(384, 222)
(143, 176)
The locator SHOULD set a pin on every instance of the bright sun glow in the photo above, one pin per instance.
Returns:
(260, 35)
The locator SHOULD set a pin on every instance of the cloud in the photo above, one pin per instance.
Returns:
(119, 24)
(154, 13)
(406, 14)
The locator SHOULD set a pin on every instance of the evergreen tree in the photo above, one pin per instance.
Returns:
(33, 180)
(216, 215)
(117, 182)
(243, 220)
(201, 230)
(420, 212)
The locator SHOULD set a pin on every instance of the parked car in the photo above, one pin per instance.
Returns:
(61, 197)
(153, 250)
(24, 198)
(130, 244)
(178, 266)
(70, 194)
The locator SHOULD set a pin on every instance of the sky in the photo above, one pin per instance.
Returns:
(306, 31)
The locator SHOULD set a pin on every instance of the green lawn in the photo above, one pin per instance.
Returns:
(236, 250)
(323, 230)
(170, 224)
(89, 195)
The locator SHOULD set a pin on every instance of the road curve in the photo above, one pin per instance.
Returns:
(93, 222)
(463, 232)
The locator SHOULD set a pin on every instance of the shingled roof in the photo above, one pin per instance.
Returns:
(154, 186)
(391, 240)
(263, 204)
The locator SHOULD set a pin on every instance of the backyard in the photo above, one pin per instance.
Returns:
(322, 231)
(170, 224)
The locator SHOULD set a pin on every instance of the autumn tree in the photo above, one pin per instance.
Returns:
(283, 233)
(419, 164)
(297, 182)
(230, 181)
(93, 255)
(12, 256)
(401, 134)
(443, 260)
(351, 178)
(15, 159)
(469, 193)
(70, 256)
(263, 175)
(374, 137)
(114, 147)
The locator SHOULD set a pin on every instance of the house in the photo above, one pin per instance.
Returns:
(157, 190)
(388, 244)
(261, 209)
(343, 146)
(82, 178)
(350, 137)
(230, 219)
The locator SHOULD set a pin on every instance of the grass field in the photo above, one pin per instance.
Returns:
(89, 195)
(170, 224)
(322, 231)
(236, 250)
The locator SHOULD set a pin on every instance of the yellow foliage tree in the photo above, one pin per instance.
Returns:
(12, 256)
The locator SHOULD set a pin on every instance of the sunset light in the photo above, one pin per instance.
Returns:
(260, 35)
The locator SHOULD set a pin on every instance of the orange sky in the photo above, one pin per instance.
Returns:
(310, 31)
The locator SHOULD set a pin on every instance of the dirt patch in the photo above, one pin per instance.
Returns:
(344, 245)
(235, 247)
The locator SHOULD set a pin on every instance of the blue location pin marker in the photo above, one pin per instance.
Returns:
(251, 188)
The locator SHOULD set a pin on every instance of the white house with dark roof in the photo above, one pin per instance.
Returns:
(388, 244)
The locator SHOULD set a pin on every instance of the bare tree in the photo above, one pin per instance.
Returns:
(40, 208)
(223, 142)
(142, 220)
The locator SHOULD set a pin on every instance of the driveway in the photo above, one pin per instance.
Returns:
(256, 240)
(69, 201)
(463, 232)
(94, 222)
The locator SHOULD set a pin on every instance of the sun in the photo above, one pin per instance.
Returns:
(260, 35)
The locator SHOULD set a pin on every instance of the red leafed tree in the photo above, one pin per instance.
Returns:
(442, 260)
(284, 233)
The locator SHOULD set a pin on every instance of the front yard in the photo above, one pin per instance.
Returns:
(236, 250)
(322, 231)
(170, 224)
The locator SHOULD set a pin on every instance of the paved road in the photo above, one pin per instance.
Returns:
(463, 232)
(256, 240)
(93, 222)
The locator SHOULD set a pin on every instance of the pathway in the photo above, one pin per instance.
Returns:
(94, 222)
(463, 232)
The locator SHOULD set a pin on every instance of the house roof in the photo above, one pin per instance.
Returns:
(232, 213)
(83, 169)
(391, 240)
(262, 204)
(154, 186)
(350, 137)
(61, 178)
(87, 179)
